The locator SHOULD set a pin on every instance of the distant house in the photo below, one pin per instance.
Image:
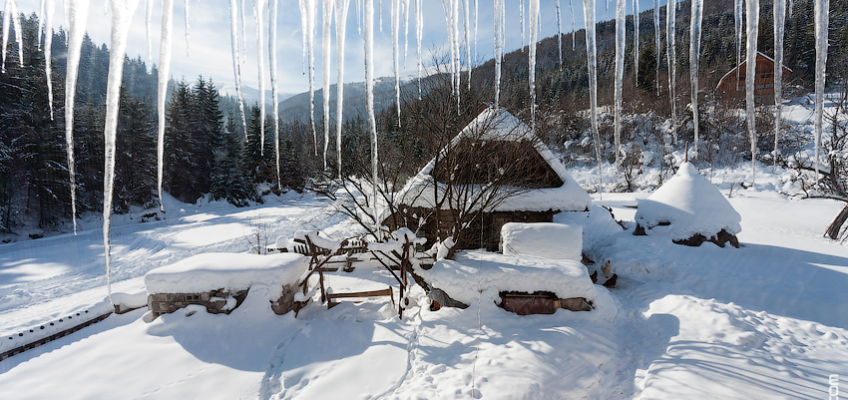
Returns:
(732, 88)
(492, 144)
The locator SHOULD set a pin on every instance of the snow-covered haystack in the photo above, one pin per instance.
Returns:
(547, 240)
(229, 271)
(692, 208)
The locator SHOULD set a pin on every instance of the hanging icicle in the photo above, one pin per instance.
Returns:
(258, 16)
(326, 32)
(636, 40)
(307, 10)
(275, 107)
(167, 25)
(187, 28)
(559, 32)
(738, 6)
(573, 29)
(752, 23)
(671, 49)
(405, 8)
(476, 14)
(620, 24)
(122, 12)
(304, 24)
(822, 10)
(657, 42)
(396, 52)
(696, 17)
(465, 11)
(341, 27)
(368, 26)
(521, 17)
(147, 26)
(419, 32)
(243, 34)
(77, 18)
(10, 14)
(41, 23)
(236, 67)
(534, 30)
(48, 50)
(592, 61)
(779, 21)
(498, 48)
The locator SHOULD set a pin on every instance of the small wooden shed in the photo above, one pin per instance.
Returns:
(494, 141)
(732, 86)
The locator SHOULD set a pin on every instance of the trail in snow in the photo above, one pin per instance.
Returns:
(167, 25)
(696, 17)
(122, 12)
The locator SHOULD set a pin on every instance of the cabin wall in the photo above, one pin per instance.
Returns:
(732, 89)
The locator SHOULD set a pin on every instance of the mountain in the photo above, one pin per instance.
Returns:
(251, 95)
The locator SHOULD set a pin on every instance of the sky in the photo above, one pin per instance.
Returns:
(209, 50)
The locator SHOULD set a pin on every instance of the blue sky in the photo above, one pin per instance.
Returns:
(210, 51)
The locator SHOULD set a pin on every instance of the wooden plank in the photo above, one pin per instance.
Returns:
(371, 293)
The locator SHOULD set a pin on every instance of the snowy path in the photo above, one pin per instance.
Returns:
(43, 278)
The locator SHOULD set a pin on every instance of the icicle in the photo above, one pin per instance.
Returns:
(258, 15)
(187, 26)
(122, 12)
(11, 10)
(498, 49)
(636, 40)
(396, 52)
(521, 17)
(419, 31)
(457, 69)
(476, 14)
(167, 25)
(326, 32)
(657, 42)
(48, 49)
(275, 107)
(573, 29)
(148, 24)
(620, 22)
(243, 34)
(405, 8)
(779, 21)
(368, 27)
(67, 7)
(559, 32)
(503, 29)
(359, 15)
(341, 27)
(534, 30)
(738, 5)
(822, 9)
(40, 23)
(380, 7)
(696, 17)
(77, 17)
(670, 32)
(236, 65)
(307, 18)
(752, 22)
(304, 25)
(451, 8)
(465, 11)
(592, 62)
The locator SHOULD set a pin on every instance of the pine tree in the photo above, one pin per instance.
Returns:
(228, 182)
(180, 169)
(135, 176)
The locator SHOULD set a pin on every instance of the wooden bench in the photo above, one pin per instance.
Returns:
(352, 295)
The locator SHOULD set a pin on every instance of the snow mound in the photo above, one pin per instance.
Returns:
(556, 241)
(460, 279)
(231, 271)
(691, 205)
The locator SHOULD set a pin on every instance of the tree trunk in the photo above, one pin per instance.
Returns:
(836, 225)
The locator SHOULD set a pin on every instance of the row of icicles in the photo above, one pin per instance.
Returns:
(457, 13)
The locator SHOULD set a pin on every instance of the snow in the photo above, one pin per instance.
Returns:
(691, 204)
(555, 241)
(231, 271)
(495, 273)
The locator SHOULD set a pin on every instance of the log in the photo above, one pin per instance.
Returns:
(836, 225)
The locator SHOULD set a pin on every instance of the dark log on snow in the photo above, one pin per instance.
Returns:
(836, 225)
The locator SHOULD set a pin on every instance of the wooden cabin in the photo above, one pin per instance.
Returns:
(493, 146)
(732, 88)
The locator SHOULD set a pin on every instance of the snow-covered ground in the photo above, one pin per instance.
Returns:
(766, 320)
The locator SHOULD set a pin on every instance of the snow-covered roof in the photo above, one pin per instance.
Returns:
(691, 204)
(231, 271)
(499, 125)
